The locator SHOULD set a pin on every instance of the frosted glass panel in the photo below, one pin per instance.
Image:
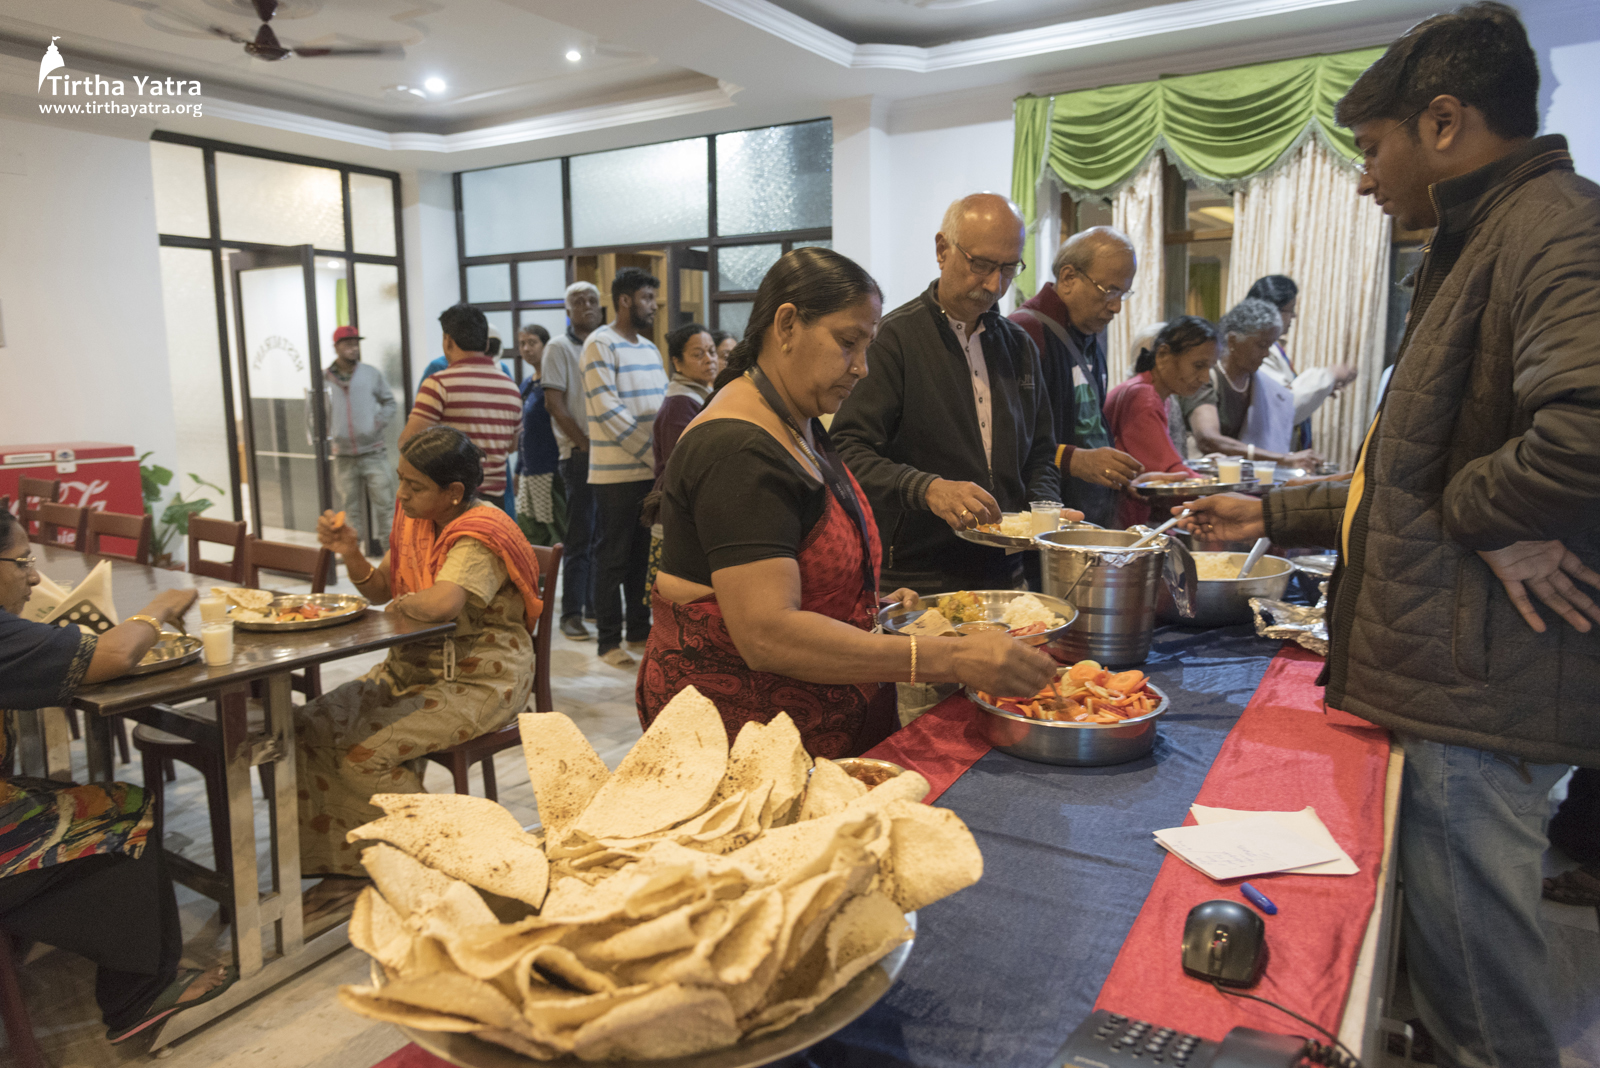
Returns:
(512, 209)
(488, 283)
(378, 305)
(552, 319)
(542, 280)
(190, 305)
(180, 185)
(742, 267)
(735, 314)
(779, 178)
(279, 203)
(649, 193)
(813, 244)
(372, 214)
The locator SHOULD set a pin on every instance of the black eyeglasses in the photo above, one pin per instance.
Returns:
(27, 563)
(984, 268)
(1111, 294)
(1370, 153)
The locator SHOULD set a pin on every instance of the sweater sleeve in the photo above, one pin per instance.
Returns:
(1140, 430)
(1305, 516)
(674, 416)
(1544, 484)
(870, 419)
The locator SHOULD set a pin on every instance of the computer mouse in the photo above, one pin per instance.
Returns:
(1225, 941)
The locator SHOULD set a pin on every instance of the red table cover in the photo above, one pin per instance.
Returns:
(1285, 753)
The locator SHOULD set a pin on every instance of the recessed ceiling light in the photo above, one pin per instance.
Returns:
(573, 55)
(434, 85)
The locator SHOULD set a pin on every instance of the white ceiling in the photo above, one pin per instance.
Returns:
(649, 70)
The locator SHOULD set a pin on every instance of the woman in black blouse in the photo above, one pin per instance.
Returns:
(767, 592)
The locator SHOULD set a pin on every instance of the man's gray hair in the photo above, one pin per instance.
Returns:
(1249, 317)
(581, 287)
(1079, 250)
(950, 226)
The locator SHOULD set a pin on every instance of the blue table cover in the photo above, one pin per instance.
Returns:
(1003, 971)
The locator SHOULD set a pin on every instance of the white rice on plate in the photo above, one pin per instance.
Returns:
(1028, 609)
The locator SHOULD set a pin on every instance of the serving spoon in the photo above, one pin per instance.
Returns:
(1257, 551)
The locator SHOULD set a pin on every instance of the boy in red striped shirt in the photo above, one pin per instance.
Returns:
(472, 395)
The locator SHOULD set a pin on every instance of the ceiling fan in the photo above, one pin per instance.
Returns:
(265, 44)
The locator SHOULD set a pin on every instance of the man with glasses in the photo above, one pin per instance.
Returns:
(951, 425)
(1067, 320)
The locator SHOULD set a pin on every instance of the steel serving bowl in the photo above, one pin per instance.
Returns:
(992, 602)
(1224, 602)
(1079, 745)
(863, 769)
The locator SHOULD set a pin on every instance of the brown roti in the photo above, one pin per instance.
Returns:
(365, 1001)
(668, 776)
(830, 790)
(769, 753)
(670, 1021)
(563, 767)
(932, 855)
(468, 838)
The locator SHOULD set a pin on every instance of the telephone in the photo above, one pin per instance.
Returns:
(1107, 1039)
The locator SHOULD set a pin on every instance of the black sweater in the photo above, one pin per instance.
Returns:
(912, 420)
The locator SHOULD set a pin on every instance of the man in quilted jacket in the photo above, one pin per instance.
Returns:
(1460, 614)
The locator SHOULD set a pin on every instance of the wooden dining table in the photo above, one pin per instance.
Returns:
(265, 659)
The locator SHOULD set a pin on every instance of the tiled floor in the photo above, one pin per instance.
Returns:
(299, 1025)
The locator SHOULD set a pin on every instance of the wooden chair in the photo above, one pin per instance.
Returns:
(43, 490)
(311, 563)
(481, 751)
(61, 525)
(139, 529)
(25, 1052)
(217, 532)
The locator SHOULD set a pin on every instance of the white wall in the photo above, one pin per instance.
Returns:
(85, 354)
(428, 222)
(1567, 40)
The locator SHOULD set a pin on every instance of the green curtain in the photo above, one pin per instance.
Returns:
(1222, 127)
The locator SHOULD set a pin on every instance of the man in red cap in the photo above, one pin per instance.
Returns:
(359, 407)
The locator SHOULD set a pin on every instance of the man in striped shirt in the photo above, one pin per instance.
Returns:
(472, 395)
(623, 384)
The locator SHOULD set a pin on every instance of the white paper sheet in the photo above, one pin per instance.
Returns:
(1237, 849)
(1305, 823)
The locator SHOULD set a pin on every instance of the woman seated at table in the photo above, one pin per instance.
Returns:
(769, 574)
(1245, 411)
(1176, 363)
(71, 856)
(451, 557)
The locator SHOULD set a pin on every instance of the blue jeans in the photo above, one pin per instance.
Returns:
(577, 553)
(1471, 837)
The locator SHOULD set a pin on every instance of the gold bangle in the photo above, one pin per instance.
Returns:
(913, 681)
(149, 621)
(365, 578)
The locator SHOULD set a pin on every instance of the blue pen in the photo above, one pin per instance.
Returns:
(1258, 899)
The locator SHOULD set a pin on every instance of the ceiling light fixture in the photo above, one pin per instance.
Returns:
(434, 85)
(573, 55)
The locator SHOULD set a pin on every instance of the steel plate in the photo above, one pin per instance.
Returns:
(859, 995)
(1071, 744)
(994, 602)
(167, 654)
(1198, 487)
(1006, 541)
(343, 607)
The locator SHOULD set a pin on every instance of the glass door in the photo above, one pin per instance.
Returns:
(280, 370)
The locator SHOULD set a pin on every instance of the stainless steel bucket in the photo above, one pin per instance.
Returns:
(1116, 603)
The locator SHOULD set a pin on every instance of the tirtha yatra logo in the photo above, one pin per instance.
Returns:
(94, 88)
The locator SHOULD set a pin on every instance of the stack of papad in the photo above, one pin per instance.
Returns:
(691, 898)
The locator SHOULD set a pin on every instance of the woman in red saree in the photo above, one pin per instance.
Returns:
(768, 586)
(450, 557)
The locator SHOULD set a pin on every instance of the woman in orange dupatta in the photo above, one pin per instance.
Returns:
(450, 557)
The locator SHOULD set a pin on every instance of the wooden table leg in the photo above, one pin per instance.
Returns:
(44, 744)
(236, 763)
(283, 804)
(97, 744)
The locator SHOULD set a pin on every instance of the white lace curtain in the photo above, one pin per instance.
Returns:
(1304, 219)
(1136, 211)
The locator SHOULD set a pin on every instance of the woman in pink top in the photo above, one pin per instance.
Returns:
(1177, 363)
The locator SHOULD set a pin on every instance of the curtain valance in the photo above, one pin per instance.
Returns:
(1221, 127)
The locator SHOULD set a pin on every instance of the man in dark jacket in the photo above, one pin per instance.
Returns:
(1067, 320)
(951, 426)
(1478, 486)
